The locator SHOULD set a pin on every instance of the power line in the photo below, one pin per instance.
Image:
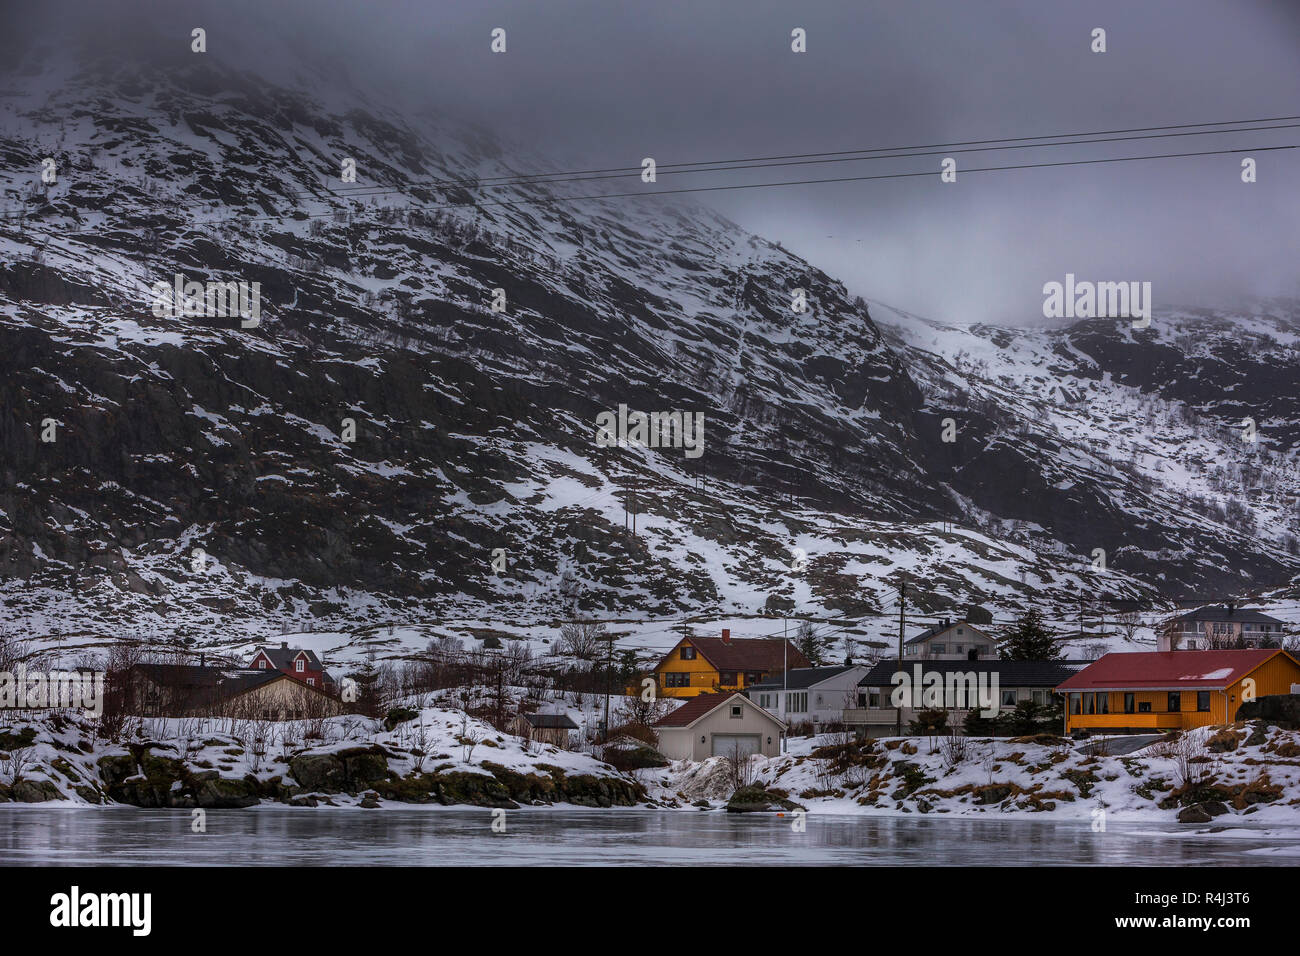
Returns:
(528, 178)
(385, 190)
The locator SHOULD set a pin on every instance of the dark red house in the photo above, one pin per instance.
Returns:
(300, 664)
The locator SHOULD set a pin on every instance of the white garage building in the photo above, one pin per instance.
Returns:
(719, 725)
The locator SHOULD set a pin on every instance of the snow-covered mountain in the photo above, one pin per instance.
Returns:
(200, 481)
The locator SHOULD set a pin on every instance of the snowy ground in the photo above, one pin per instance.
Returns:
(1005, 776)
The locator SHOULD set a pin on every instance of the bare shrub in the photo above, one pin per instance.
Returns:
(13, 763)
(955, 750)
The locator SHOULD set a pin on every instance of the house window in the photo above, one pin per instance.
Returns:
(1130, 703)
(728, 679)
(1144, 707)
(1175, 702)
(311, 682)
(797, 703)
(958, 649)
(1103, 703)
(960, 632)
(1203, 701)
(299, 665)
(873, 698)
(736, 711)
(1040, 697)
(1076, 701)
(938, 648)
(753, 677)
(1009, 698)
(261, 663)
(677, 679)
(1089, 703)
(688, 653)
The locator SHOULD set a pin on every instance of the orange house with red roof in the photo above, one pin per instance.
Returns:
(1172, 690)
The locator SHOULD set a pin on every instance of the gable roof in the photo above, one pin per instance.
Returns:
(747, 653)
(188, 676)
(244, 681)
(283, 657)
(1157, 670)
(223, 680)
(1010, 673)
(550, 721)
(1220, 612)
(940, 628)
(699, 707)
(801, 678)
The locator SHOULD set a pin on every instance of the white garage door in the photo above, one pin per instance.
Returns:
(741, 745)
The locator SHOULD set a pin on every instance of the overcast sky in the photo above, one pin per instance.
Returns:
(602, 83)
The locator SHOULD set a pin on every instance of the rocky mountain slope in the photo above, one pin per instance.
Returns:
(201, 480)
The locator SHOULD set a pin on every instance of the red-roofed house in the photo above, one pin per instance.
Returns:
(297, 663)
(702, 665)
(1168, 690)
(719, 725)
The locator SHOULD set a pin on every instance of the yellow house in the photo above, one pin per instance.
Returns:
(1172, 690)
(706, 665)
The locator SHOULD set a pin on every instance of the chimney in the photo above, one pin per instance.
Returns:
(203, 660)
(284, 645)
(1231, 607)
(726, 635)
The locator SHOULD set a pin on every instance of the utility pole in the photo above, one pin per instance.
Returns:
(609, 671)
(785, 666)
(1081, 610)
(902, 623)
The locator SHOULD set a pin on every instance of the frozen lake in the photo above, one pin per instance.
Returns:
(35, 836)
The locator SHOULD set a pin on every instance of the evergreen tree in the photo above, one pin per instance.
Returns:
(812, 645)
(367, 679)
(977, 725)
(1028, 640)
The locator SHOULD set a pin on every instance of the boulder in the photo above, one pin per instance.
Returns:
(1196, 813)
(221, 793)
(755, 799)
(323, 772)
(35, 791)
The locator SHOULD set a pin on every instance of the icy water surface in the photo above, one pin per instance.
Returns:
(462, 836)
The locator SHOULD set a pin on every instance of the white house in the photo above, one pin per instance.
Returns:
(719, 725)
(1220, 627)
(951, 641)
(815, 695)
